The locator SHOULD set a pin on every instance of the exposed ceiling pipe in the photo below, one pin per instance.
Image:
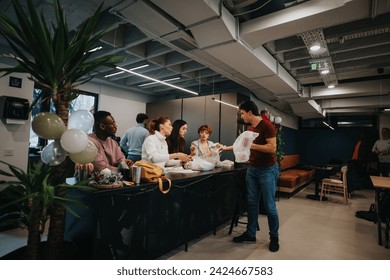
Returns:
(374, 8)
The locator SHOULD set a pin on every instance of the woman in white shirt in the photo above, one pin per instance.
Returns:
(155, 147)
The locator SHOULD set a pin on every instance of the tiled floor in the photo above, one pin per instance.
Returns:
(309, 230)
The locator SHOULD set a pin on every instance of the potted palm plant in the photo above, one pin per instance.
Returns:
(59, 61)
(29, 198)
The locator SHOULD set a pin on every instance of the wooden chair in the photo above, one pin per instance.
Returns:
(330, 185)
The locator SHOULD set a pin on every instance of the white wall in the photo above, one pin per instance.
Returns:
(15, 136)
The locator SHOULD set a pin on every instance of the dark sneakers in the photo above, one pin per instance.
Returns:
(244, 238)
(274, 244)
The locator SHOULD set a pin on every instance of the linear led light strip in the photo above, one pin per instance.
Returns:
(224, 103)
(153, 83)
(328, 125)
(155, 80)
(132, 69)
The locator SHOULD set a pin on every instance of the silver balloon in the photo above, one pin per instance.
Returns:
(53, 154)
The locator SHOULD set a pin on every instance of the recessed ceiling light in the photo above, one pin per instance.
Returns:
(324, 71)
(331, 86)
(315, 46)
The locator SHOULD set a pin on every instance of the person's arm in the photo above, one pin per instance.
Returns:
(227, 148)
(193, 150)
(183, 157)
(123, 143)
(269, 147)
(151, 153)
(375, 148)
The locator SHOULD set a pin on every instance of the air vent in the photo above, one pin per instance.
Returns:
(183, 44)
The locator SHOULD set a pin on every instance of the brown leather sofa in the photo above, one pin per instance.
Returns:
(291, 176)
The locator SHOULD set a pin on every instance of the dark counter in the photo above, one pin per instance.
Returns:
(142, 223)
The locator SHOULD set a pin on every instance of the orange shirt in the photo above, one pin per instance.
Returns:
(355, 154)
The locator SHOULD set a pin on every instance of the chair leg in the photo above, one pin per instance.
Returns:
(322, 192)
(387, 232)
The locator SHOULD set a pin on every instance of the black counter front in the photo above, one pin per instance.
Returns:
(142, 223)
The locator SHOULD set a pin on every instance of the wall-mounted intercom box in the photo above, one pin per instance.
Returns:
(14, 109)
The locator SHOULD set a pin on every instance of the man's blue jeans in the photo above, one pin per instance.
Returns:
(262, 182)
(134, 158)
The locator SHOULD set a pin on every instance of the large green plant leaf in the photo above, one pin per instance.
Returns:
(56, 58)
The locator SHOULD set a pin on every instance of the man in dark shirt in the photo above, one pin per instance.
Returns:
(262, 175)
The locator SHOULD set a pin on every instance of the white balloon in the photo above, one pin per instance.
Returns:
(53, 154)
(74, 140)
(81, 119)
(278, 120)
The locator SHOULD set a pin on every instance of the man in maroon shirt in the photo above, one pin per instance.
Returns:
(261, 177)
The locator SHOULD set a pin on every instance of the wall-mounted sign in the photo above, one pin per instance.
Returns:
(15, 82)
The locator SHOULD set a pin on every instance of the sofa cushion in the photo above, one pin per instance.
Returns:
(288, 180)
(305, 175)
(289, 161)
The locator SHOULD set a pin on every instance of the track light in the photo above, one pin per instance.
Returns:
(328, 125)
(153, 83)
(155, 80)
(224, 103)
(132, 69)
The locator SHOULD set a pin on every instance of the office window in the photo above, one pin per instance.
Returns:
(85, 101)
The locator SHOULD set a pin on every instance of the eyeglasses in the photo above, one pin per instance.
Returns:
(114, 123)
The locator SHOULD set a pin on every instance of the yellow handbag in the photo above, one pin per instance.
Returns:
(151, 172)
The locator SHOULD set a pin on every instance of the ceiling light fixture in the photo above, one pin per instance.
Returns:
(155, 80)
(224, 103)
(328, 125)
(318, 49)
(315, 46)
(331, 86)
(324, 71)
(121, 72)
(152, 83)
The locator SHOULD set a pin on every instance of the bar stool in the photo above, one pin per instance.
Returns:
(240, 208)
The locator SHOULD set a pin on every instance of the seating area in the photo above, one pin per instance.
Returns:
(292, 177)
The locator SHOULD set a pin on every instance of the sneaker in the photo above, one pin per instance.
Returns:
(274, 244)
(244, 238)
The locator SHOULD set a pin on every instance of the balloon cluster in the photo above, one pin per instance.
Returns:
(71, 140)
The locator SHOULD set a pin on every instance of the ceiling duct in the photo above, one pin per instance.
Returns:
(216, 32)
(307, 110)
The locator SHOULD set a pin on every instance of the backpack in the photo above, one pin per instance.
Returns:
(151, 172)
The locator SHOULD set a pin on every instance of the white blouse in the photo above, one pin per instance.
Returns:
(155, 149)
